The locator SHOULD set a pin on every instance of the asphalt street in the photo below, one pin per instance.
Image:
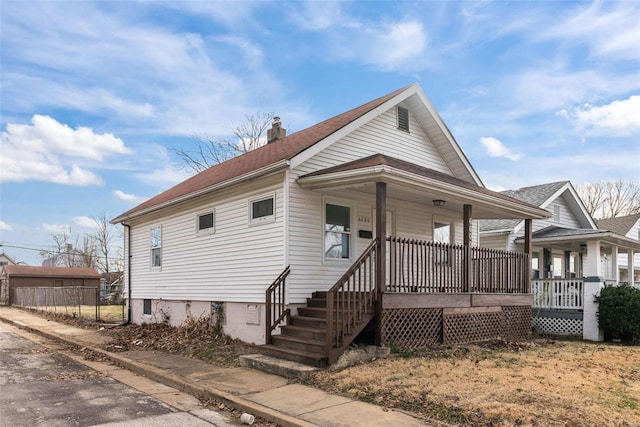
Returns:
(43, 384)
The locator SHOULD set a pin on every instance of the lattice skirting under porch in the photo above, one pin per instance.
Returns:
(420, 327)
(558, 326)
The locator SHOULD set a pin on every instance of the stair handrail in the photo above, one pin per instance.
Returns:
(275, 304)
(350, 297)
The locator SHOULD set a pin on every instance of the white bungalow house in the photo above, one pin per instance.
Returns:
(563, 261)
(363, 219)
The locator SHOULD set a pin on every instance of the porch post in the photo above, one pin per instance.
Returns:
(467, 230)
(614, 264)
(381, 258)
(630, 267)
(528, 249)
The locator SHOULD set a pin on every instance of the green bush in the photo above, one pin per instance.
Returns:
(619, 313)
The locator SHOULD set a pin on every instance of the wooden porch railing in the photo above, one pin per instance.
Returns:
(560, 294)
(351, 299)
(423, 266)
(275, 298)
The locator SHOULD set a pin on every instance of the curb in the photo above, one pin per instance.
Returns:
(176, 381)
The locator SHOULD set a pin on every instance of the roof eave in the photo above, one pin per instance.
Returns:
(273, 167)
(390, 175)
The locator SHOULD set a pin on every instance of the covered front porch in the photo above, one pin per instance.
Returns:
(423, 291)
(566, 264)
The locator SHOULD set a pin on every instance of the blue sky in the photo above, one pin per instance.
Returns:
(95, 93)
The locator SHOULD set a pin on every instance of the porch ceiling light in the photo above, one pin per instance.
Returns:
(438, 202)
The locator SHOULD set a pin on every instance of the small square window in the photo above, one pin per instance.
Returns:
(403, 119)
(205, 222)
(146, 306)
(262, 210)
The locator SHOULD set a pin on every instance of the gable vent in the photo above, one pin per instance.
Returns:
(403, 119)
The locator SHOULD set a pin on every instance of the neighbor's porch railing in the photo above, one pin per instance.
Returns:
(559, 294)
(276, 310)
(429, 267)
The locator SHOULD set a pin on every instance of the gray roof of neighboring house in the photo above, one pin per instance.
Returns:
(555, 231)
(535, 195)
(619, 225)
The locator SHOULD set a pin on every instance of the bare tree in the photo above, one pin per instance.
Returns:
(210, 151)
(608, 199)
(105, 238)
(63, 253)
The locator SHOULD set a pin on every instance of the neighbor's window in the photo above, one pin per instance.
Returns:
(146, 306)
(205, 222)
(262, 210)
(156, 246)
(337, 232)
(403, 119)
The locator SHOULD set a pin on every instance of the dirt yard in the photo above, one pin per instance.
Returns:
(535, 383)
(539, 383)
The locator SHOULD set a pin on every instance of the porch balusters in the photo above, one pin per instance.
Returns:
(432, 267)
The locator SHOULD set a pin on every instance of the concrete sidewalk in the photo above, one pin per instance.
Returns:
(268, 396)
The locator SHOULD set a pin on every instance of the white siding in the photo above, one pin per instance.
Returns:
(495, 241)
(309, 270)
(379, 136)
(236, 263)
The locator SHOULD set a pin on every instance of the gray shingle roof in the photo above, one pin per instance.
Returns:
(535, 195)
(555, 231)
(619, 225)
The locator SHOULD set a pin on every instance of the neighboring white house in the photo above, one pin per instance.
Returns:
(628, 226)
(309, 205)
(567, 247)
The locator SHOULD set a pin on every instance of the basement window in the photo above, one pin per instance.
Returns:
(146, 306)
(403, 118)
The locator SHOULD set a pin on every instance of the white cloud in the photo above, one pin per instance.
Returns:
(496, 148)
(84, 222)
(163, 178)
(620, 117)
(4, 226)
(57, 228)
(128, 197)
(608, 28)
(51, 151)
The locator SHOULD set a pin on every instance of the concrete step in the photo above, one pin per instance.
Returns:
(277, 366)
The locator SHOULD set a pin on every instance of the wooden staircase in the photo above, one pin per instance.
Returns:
(322, 330)
(304, 339)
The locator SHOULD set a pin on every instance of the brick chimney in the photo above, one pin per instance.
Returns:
(276, 131)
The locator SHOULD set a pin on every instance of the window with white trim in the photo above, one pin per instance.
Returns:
(442, 232)
(337, 232)
(156, 246)
(205, 222)
(262, 210)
